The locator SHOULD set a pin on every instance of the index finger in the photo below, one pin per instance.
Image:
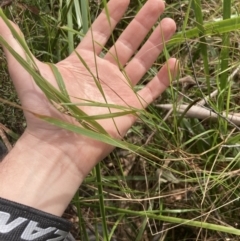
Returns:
(103, 26)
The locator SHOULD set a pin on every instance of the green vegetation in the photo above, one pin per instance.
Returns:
(176, 174)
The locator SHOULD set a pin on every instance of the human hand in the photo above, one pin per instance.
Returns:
(80, 154)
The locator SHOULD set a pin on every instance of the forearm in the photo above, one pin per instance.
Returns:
(39, 175)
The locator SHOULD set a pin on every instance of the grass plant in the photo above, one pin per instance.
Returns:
(175, 176)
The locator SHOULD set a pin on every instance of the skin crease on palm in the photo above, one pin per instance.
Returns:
(81, 153)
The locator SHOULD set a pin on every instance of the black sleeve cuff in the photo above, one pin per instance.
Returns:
(22, 223)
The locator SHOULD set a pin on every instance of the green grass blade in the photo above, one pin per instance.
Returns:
(67, 29)
(212, 28)
(107, 116)
(91, 73)
(101, 201)
(99, 104)
(96, 80)
(70, 25)
(180, 221)
(203, 43)
(86, 132)
(224, 56)
(59, 80)
(97, 136)
(78, 13)
(85, 13)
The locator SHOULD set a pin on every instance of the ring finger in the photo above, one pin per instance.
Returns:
(132, 37)
(149, 52)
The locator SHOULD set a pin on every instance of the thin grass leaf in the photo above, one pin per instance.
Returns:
(212, 28)
(142, 228)
(91, 73)
(101, 202)
(78, 13)
(224, 59)
(98, 84)
(70, 25)
(97, 136)
(81, 221)
(203, 42)
(197, 137)
(67, 29)
(59, 80)
(85, 16)
(104, 2)
(107, 116)
(186, 17)
(98, 104)
(225, 46)
(180, 221)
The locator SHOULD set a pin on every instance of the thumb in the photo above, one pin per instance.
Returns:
(31, 96)
(11, 37)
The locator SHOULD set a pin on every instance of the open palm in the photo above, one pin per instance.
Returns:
(117, 85)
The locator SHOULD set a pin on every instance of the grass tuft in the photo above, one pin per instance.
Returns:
(176, 174)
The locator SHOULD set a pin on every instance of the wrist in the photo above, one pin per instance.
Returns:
(38, 174)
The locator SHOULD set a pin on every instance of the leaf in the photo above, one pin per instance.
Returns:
(59, 80)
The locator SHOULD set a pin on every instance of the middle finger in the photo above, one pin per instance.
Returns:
(131, 38)
(146, 56)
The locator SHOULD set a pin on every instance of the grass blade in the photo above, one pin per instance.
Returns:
(224, 59)
(59, 80)
(205, 225)
(70, 25)
(101, 201)
(210, 28)
(202, 39)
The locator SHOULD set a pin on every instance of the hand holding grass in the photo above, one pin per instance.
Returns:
(57, 160)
